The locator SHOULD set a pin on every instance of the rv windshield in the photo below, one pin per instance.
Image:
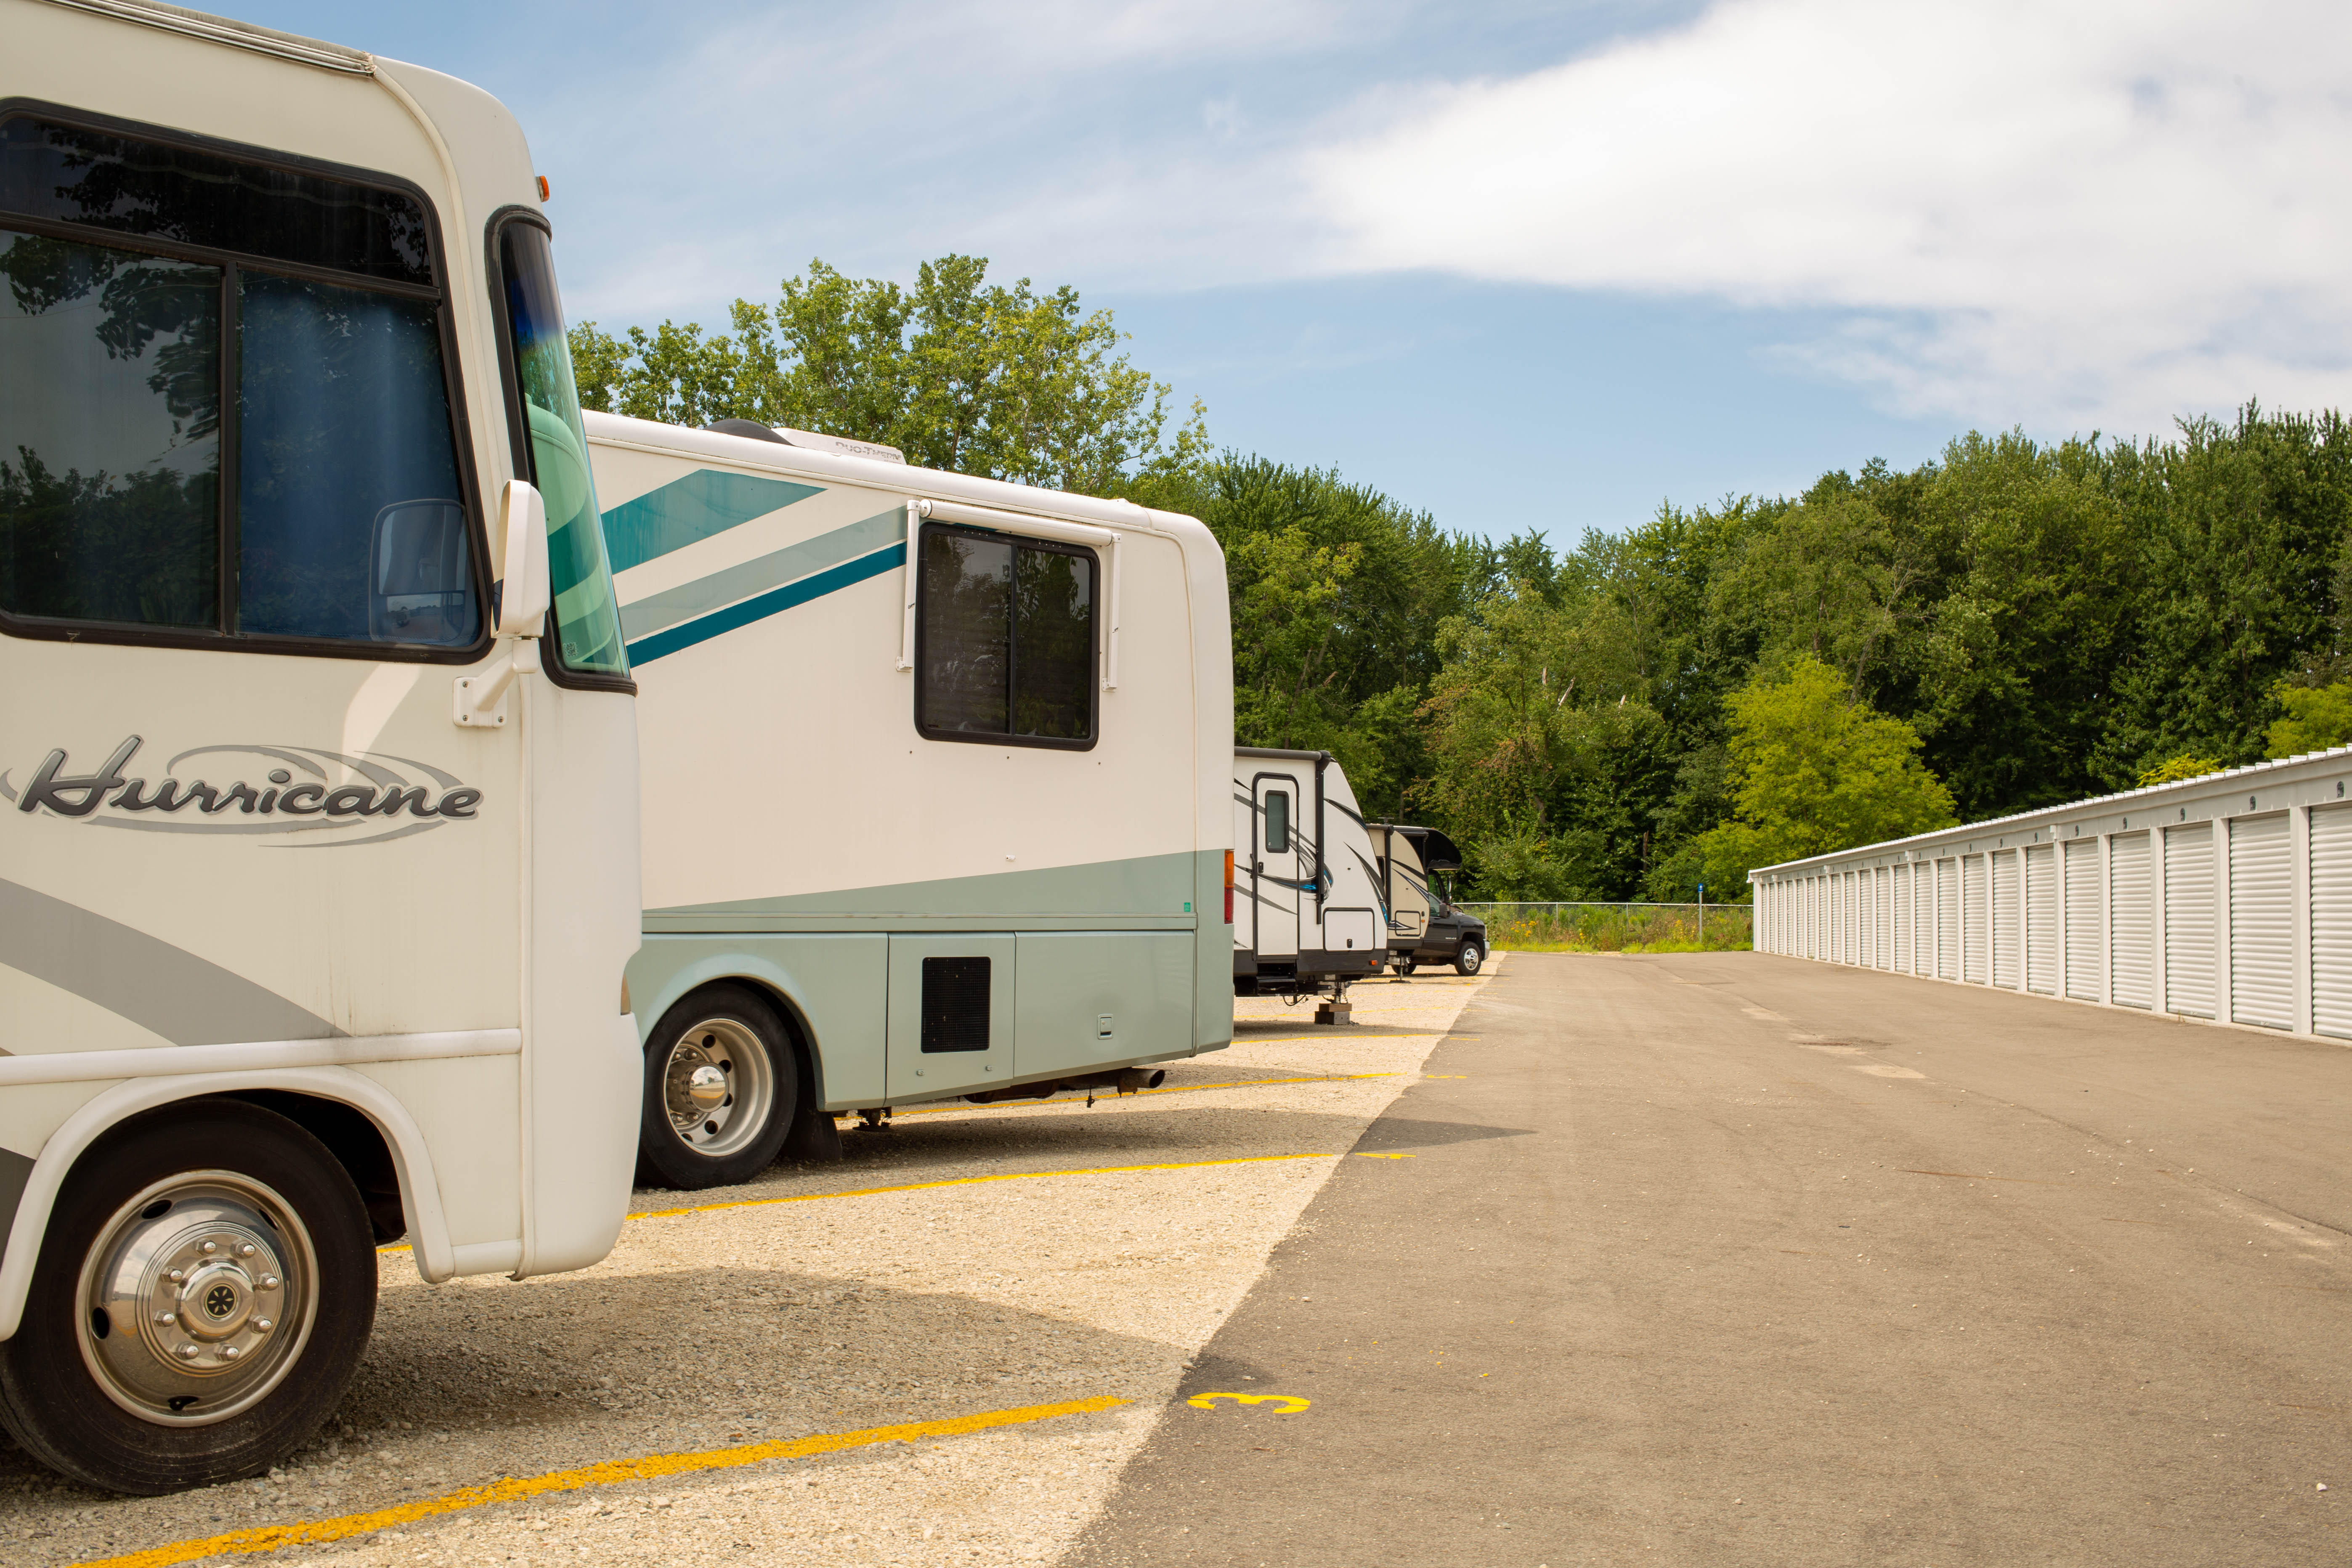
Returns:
(587, 619)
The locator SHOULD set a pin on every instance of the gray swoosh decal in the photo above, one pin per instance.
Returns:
(655, 612)
(166, 990)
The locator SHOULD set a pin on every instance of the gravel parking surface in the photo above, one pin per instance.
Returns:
(855, 1309)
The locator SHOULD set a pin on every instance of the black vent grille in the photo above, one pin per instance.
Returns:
(955, 1005)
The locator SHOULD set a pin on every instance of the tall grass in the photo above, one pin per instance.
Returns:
(1616, 928)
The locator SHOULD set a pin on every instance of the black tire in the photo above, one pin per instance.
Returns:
(1473, 954)
(691, 1144)
(96, 1394)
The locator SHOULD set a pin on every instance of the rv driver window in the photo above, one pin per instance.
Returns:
(1006, 640)
(340, 523)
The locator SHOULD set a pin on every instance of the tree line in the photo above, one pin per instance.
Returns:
(2012, 626)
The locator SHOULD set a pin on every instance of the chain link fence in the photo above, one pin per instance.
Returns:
(1615, 928)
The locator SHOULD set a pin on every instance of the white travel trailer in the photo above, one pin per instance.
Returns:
(317, 860)
(1309, 915)
(933, 783)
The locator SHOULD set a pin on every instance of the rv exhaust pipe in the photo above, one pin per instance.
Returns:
(1135, 1080)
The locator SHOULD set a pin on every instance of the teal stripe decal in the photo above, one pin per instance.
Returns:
(686, 511)
(641, 618)
(816, 586)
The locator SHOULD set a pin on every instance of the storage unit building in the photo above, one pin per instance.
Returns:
(2227, 896)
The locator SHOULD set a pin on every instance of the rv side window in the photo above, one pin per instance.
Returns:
(1005, 639)
(1278, 823)
(196, 440)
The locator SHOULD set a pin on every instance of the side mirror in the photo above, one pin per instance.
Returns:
(420, 583)
(522, 561)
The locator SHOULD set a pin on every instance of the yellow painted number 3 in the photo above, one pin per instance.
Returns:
(1283, 1403)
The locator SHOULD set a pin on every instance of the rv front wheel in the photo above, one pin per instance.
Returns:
(1470, 956)
(721, 1088)
(202, 1294)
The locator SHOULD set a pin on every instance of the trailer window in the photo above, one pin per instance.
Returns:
(198, 442)
(1278, 823)
(1005, 639)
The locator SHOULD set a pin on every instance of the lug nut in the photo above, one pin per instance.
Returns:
(246, 1251)
(188, 1352)
(269, 1282)
(211, 1246)
(262, 1325)
(231, 1353)
(166, 1318)
(178, 1276)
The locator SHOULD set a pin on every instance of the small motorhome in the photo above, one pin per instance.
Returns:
(1424, 926)
(1308, 916)
(933, 782)
(318, 831)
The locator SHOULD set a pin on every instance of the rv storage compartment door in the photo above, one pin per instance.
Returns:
(1350, 931)
(950, 1015)
(1088, 998)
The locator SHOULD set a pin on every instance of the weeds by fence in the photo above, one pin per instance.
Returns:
(1616, 928)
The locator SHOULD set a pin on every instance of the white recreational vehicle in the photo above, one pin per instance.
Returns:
(317, 860)
(1308, 916)
(1424, 925)
(933, 785)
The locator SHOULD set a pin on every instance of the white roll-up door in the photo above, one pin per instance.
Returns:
(1860, 883)
(2042, 919)
(1855, 915)
(2084, 938)
(2331, 921)
(1923, 917)
(1846, 933)
(1883, 889)
(2190, 890)
(1902, 880)
(2131, 920)
(1866, 897)
(2262, 922)
(2007, 950)
(1975, 953)
(1947, 919)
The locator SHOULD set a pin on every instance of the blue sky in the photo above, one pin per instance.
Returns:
(1518, 264)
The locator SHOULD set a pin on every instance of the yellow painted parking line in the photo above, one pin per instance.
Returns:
(1171, 1089)
(927, 1186)
(613, 1472)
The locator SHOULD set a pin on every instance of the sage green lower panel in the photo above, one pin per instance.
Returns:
(1213, 974)
(839, 985)
(1091, 998)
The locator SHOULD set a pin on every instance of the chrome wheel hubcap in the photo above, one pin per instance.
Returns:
(198, 1299)
(717, 1086)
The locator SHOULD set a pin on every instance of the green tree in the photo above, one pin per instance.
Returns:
(2317, 718)
(2173, 770)
(1818, 770)
(959, 374)
(2242, 529)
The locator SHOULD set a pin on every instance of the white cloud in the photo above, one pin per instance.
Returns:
(874, 135)
(2097, 212)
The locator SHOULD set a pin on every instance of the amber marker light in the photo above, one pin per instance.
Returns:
(1229, 887)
